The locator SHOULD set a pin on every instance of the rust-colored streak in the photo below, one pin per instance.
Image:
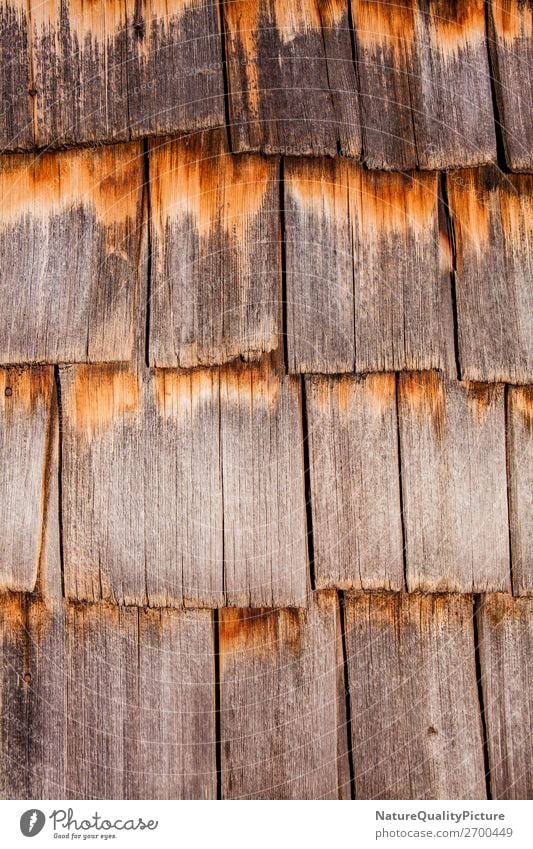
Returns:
(107, 180)
(25, 389)
(388, 203)
(320, 187)
(455, 27)
(424, 393)
(481, 397)
(102, 394)
(179, 394)
(470, 203)
(521, 398)
(384, 27)
(512, 19)
(257, 384)
(266, 633)
(12, 612)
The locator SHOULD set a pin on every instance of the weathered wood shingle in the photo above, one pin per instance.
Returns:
(16, 127)
(69, 243)
(216, 282)
(520, 479)
(416, 722)
(452, 442)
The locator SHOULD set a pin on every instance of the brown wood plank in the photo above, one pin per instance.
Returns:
(16, 130)
(60, 305)
(25, 441)
(493, 221)
(292, 86)
(511, 49)
(505, 649)
(278, 708)
(14, 769)
(216, 281)
(424, 84)
(416, 723)
(99, 74)
(363, 270)
(265, 532)
(355, 482)
(452, 441)
(520, 475)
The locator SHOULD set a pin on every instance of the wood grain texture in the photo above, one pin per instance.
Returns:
(62, 304)
(363, 284)
(355, 482)
(25, 441)
(278, 702)
(118, 70)
(452, 442)
(511, 48)
(416, 722)
(16, 129)
(505, 648)
(216, 260)
(292, 86)
(520, 479)
(424, 84)
(265, 532)
(493, 221)
(14, 770)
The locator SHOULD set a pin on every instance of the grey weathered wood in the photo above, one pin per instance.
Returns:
(116, 70)
(216, 281)
(452, 442)
(511, 49)
(425, 84)
(493, 222)
(363, 270)
(14, 770)
(16, 129)
(69, 247)
(25, 442)
(355, 482)
(505, 649)
(416, 723)
(292, 86)
(520, 476)
(265, 533)
(278, 702)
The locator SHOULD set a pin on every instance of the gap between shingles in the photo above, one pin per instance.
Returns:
(307, 487)
(225, 76)
(57, 410)
(400, 482)
(493, 62)
(476, 605)
(347, 699)
(508, 479)
(147, 210)
(444, 202)
(218, 724)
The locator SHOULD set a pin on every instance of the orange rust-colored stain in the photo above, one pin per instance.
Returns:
(385, 27)
(101, 394)
(25, 389)
(12, 612)
(387, 202)
(521, 402)
(107, 180)
(512, 19)
(516, 210)
(319, 186)
(198, 178)
(456, 26)
(424, 393)
(257, 384)
(93, 19)
(179, 394)
(470, 204)
(265, 632)
(481, 397)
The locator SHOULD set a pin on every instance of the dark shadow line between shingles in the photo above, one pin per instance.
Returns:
(57, 382)
(347, 698)
(494, 82)
(506, 402)
(283, 250)
(476, 605)
(218, 723)
(400, 481)
(147, 210)
(445, 206)
(307, 487)
(225, 75)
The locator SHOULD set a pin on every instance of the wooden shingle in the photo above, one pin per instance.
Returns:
(492, 217)
(355, 482)
(16, 127)
(416, 722)
(424, 81)
(364, 289)
(520, 478)
(69, 241)
(216, 260)
(452, 444)
(511, 48)
(505, 650)
(278, 702)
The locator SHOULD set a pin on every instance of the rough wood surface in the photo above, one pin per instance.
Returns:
(14, 769)
(493, 221)
(355, 482)
(25, 442)
(363, 270)
(520, 475)
(452, 442)
(511, 49)
(292, 86)
(118, 70)
(505, 649)
(16, 129)
(68, 254)
(216, 260)
(278, 702)
(416, 722)
(424, 84)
